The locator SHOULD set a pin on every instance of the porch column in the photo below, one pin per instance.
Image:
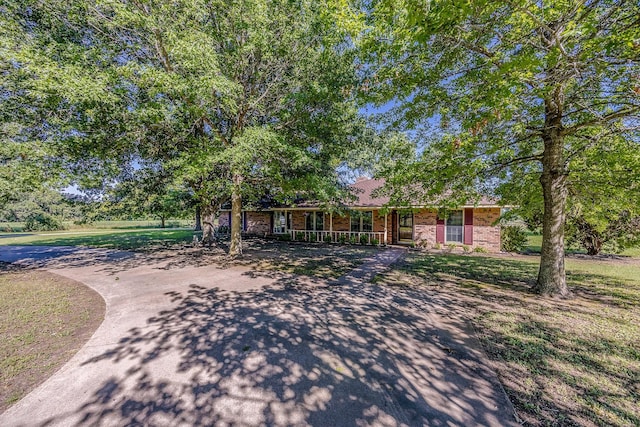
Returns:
(385, 229)
(331, 225)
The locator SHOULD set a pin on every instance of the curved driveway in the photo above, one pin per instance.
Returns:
(185, 344)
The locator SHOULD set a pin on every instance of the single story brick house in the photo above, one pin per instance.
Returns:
(371, 220)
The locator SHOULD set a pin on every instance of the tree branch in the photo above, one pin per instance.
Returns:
(603, 119)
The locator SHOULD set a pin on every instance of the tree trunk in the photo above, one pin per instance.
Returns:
(198, 226)
(162, 221)
(235, 246)
(551, 276)
(208, 230)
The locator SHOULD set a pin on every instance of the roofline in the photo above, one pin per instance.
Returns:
(377, 207)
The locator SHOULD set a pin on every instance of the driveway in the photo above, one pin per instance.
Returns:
(184, 344)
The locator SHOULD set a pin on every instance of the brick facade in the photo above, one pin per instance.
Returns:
(341, 223)
(258, 223)
(485, 233)
(424, 226)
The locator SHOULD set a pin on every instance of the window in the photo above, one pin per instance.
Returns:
(281, 222)
(454, 227)
(315, 221)
(361, 221)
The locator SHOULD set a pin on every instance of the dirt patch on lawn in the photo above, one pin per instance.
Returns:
(44, 320)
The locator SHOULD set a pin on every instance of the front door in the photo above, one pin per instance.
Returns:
(405, 227)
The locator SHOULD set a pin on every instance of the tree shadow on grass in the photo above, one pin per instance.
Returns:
(475, 272)
(293, 354)
(563, 362)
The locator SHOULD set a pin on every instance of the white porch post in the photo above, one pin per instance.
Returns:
(331, 225)
(385, 229)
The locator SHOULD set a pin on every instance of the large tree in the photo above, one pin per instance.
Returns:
(512, 91)
(237, 98)
(603, 196)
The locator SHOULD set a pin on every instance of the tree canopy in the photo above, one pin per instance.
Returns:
(235, 98)
(507, 95)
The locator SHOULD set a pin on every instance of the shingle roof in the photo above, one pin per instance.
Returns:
(363, 188)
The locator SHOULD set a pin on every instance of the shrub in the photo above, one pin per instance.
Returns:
(328, 238)
(353, 240)
(480, 250)
(466, 248)
(300, 236)
(342, 239)
(375, 242)
(312, 237)
(364, 239)
(451, 247)
(284, 237)
(42, 222)
(613, 233)
(513, 238)
(437, 246)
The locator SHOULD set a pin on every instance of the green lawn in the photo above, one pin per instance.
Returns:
(44, 320)
(562, 362)
(312, 259)
(535, 242)
(101, 225)
(109, 238)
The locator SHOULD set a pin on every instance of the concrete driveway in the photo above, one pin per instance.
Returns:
(185, 345)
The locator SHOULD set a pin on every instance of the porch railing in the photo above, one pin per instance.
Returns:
(359, 237)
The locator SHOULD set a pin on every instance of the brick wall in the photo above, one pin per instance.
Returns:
(258, 223)
(341, 223)
(378, 222)
(485, 234)
(424, 226)
(298, 220)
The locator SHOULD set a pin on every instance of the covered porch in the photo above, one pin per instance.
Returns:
(361, 226)
(361, 237)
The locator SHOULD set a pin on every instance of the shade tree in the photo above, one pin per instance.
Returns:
(506, 96)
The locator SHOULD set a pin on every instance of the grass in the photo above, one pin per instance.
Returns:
(534, 244)
(313, 259)
(44, 320)
(562, 362)
(100, 225)
(109, 238)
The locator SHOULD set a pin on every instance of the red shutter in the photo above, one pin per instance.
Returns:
(468, 226)
(440, 230)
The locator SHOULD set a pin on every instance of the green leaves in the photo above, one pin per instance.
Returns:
(192, 88)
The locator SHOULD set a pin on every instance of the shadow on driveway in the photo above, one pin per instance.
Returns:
(296, 352)
(296, 355)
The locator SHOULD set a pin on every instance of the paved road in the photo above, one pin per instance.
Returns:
(185, 344)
